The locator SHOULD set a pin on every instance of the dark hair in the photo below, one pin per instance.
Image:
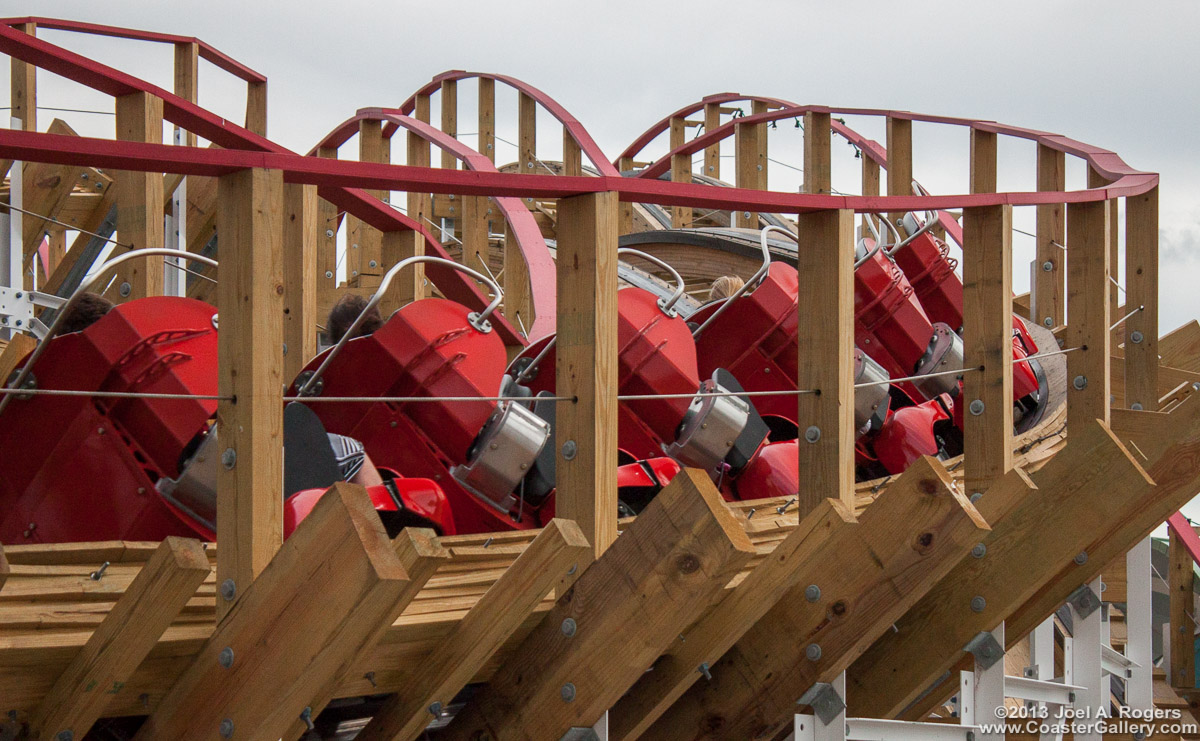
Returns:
(345, 311)
(86, 312)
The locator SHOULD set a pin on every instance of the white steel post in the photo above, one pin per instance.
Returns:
(989, 691)
(1086, 668)
(1139, 623)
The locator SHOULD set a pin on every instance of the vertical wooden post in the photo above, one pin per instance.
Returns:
(681, 172)
(1141, 286)
(870, 187)
(818, 166)
(751, 167)
(1096, 180)
(256, 107)
(983, 161)
(825, 261)
(1049, 290)
(518, 293)
(250, 427)
(487, 117)
(625, 217)
(299, 277)
(899, 160)
(475, 246)
(527, 135)
(187, 77)
(1088, 315)
(409, 285)
(449, 120)
(1181, 581)
(363, 253)
(140, 195)
(326, 226)
(987, 340)
(587, 365)
(419, 207)
(712, 153)
(572, 155)
(23, 91)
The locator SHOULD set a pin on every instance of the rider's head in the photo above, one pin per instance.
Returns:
(87, 310)
(724, 287)
(345, 311)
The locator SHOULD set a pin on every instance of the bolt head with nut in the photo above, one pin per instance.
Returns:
(1079, 382)
(812, 434)
(813, 652)
(976, 407)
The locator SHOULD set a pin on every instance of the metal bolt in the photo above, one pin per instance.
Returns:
(705, 670)
(1048, 322)
(1081, 558)
(228, 590)
(125, 290)
(976, 407)
(573, 569)
(569, 449)
(812, 593)
(229, 459)
(813, 652)
(1136, 406)
(978, 603)
(567, 692)
(569, 627)
(435, 709)
(373, 264)
(285, 349)
(328, 232)
(979, 551)
(1047, 266)
(225, 658)
(66, 735)
(1080, 382)
(99, 573)
(746, 214)
(226, 728)
(1136, 337)
(355, 246)
(976, 496)
(328, 273)
(812, 434)
(306, 716)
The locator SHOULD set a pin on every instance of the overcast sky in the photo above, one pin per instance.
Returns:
(1107, 73)
(1118, 75)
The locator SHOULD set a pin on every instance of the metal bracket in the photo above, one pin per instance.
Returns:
(825, 701)
(580, 734)
(986, 649)
(1084, 600)
(17, 308)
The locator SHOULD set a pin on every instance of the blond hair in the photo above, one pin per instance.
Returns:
(724, 287)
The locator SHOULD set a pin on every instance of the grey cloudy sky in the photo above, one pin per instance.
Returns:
(1115, 74)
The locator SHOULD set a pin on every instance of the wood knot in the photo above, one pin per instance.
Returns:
(687, 564)
(924, 542)
(928, 486)
(838, 608)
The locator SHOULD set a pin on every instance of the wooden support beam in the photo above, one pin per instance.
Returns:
(420, 209)
(626, 609)
(477, 637)
(751, 166)
(47, 188)
(712, 153)
(99, 213)
(299, 277)
(572, 155)
(1141, 286)
(983, 161)
(487, 117)
(793, 564)
(899, 160)
(449, 120)
(140, 197)
(870, 187)
(1049, 291)
(1038, 524)
(421, 556)
(297, 628)
(527, 136)
(1181, 582)
(475, 232)
(1096, 180)
(23, 89)
(125, 637)
(187, 77)
(14, 352)
(818, 162)
(256, 107)
(587, 365)
(518, 292)
(1088, 373)
(825, 261)
(625, 217)
(250, 300)
(409, 284)
(363, 250)
(681, 172)
(904, 543)
(987, 336)
(5, 569)
(327, 227)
